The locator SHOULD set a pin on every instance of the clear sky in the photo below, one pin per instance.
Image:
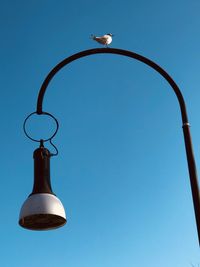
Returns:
(121, 172)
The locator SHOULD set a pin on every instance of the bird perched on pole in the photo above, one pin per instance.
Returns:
(104, 40)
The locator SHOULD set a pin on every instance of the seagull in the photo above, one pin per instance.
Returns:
(104, 40)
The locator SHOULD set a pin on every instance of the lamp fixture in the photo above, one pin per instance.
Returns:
(42, 210)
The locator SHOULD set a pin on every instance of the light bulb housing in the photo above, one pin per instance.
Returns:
(42, 210)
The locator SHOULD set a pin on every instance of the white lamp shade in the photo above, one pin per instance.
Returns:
(42, 211)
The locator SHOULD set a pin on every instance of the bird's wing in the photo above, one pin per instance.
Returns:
(101, 40)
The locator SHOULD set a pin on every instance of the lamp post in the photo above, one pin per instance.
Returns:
(43, 210)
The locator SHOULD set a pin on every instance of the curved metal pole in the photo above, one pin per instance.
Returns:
(186, 129)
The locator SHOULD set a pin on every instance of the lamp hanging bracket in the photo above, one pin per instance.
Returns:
(42, 141)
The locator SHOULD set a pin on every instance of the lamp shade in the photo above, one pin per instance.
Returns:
(42, 211)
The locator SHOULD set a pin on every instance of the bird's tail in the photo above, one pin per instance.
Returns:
(92, 36)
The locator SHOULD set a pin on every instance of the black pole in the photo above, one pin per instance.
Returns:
(193, 175)
(186, 130)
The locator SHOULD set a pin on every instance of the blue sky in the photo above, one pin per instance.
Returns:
(121, 172)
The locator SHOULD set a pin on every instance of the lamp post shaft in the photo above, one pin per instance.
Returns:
(193, 175)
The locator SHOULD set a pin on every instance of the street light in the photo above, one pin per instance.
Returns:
(43, 210)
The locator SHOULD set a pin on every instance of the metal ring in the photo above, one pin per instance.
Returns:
(43, 113)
